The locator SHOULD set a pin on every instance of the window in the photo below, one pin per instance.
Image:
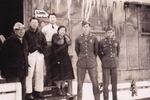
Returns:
(145, 19)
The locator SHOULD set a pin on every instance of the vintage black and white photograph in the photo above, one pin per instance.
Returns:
(74, 49)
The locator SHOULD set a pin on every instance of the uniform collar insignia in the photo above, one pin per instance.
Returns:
(109, 38)
(90, 34)
(81, 34)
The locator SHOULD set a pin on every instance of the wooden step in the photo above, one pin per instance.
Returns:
(51, 91)
(72, 97)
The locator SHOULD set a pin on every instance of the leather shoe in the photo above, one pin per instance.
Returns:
(39, 95)
(59, 92)
(29, 97)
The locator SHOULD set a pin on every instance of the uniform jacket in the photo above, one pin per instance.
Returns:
(86, 48)
(108, 52)
(13, 58)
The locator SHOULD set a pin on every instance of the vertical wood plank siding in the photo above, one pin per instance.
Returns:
(135, 48)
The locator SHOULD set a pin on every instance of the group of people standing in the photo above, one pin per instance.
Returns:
(25, 53)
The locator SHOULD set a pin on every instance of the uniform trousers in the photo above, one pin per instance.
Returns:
(94, 78)
(107, 74)
(36, 62)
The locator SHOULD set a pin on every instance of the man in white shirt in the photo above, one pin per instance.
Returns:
(51, 28)
(48, 31)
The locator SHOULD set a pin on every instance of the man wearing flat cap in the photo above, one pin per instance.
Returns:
(86, 47)
(13, 57)
(108, 52)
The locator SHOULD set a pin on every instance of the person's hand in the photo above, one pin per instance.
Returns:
(2, 38)
(68, 40)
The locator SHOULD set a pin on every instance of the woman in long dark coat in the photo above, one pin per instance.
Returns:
(61, 66)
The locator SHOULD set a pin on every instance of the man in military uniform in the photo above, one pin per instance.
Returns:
(86, 47)
(108, 52)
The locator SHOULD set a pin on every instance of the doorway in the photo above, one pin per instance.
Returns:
(11, 11)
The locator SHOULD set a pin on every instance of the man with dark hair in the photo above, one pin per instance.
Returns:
(86, 46)
(36, 49)
(14, 63)
(108, 52)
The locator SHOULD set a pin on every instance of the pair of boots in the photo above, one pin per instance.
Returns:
(34, 95)
(61, 92)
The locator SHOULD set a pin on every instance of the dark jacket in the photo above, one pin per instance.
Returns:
(0, 49)
(108, 52)
(0, 45)
(35, 40)
(86, 49)
(13, 58)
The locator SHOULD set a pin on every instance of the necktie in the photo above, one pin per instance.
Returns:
(52, 26)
